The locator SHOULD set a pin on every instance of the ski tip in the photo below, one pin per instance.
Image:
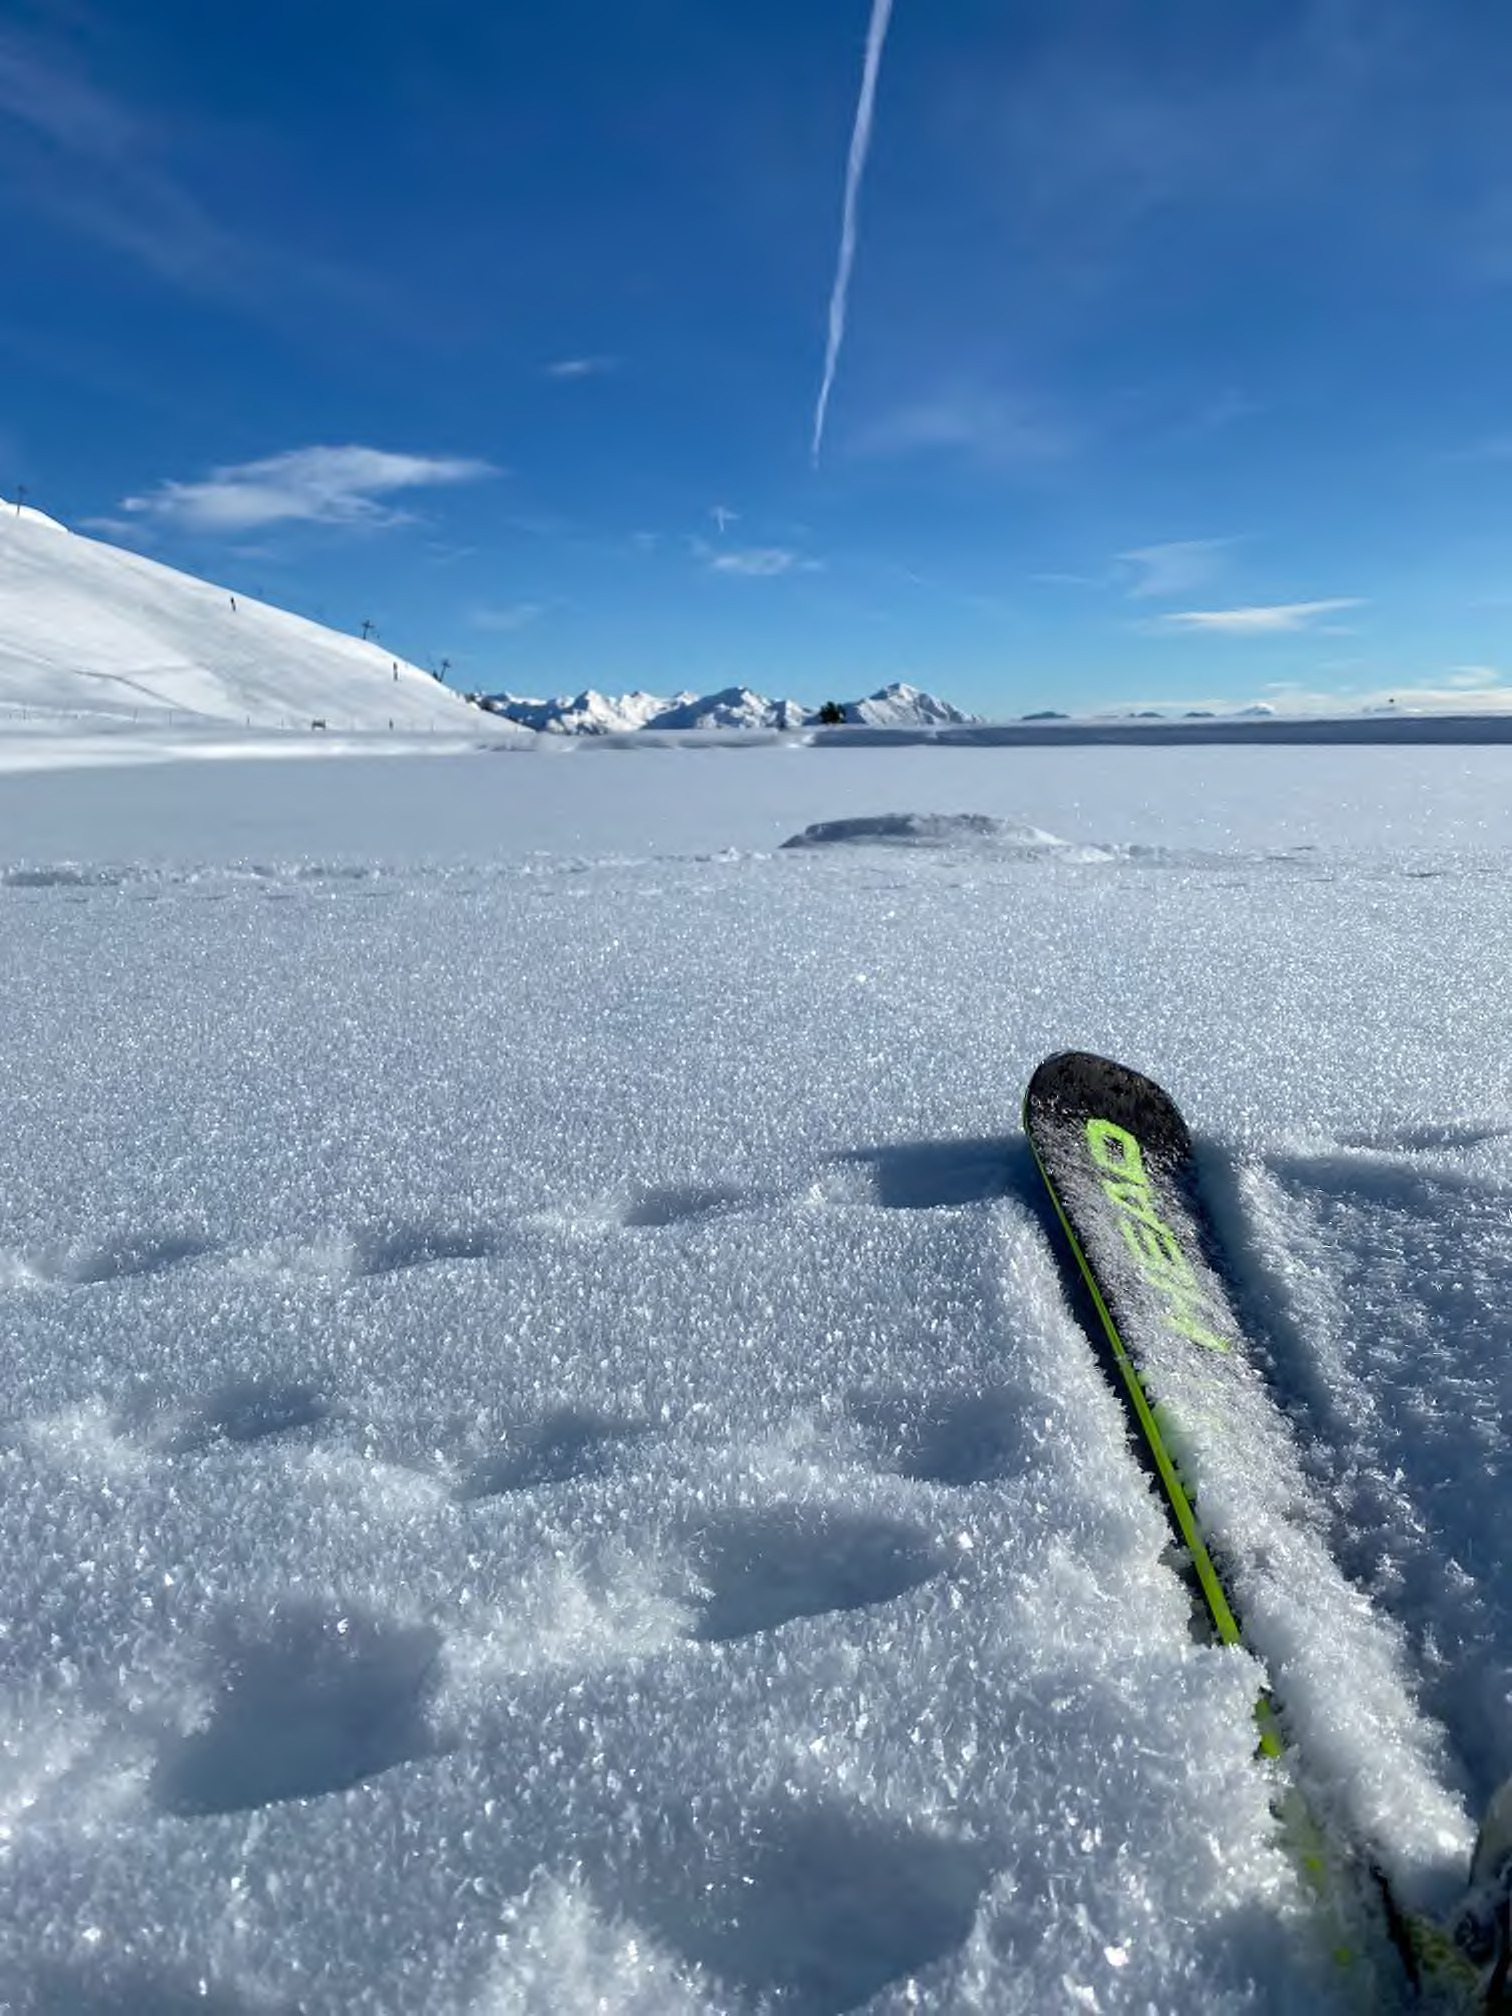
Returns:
(1081, 1082)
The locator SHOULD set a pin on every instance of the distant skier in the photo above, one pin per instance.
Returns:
(233, 605)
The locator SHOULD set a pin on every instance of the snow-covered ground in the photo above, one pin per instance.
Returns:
(548, 1462)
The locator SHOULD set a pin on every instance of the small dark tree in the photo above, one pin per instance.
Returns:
(831, 714)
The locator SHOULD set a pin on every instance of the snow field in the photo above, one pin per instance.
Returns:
(548, 1463)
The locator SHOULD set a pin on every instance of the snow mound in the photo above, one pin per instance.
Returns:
(977, 830)
(89, 631)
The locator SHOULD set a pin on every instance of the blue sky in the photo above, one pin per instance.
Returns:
(1177, 362)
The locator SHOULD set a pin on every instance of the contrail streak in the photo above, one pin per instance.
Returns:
(876, 35)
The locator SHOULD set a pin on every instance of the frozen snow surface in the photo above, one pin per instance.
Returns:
(549, 1464)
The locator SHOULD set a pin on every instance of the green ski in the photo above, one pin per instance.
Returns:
(1116, 1158)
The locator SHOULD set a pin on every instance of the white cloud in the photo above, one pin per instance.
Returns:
(321, 486)
(1262, 621)
(1173, 566)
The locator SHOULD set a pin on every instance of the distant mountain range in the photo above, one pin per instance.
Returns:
(591, 713)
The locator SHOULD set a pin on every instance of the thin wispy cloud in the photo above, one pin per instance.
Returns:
(1067, 577)
(503, 619)
(1469, 689)
(39, 90)
(1464, 689)
(1262, 620)
(1474, 678)
(74, 153)
(118, 531)
(580, 367)
(754, 562)
(992, 428)
(1490, 448)
(79, 157)
(723, 517)
(317, 486)
(1173, 567)
(876, 36)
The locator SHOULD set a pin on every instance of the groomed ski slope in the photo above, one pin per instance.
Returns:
(548, 1464)
(105, 638)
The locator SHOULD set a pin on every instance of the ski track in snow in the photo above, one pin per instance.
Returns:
(548, 1462)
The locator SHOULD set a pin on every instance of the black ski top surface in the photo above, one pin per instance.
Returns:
(1117, 1159)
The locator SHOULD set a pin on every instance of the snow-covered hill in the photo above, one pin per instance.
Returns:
(89, 630)
(591, 713)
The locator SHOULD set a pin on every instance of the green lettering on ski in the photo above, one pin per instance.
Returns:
(1155, 1247)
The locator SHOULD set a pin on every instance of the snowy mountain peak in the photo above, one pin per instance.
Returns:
(733, 707)
(901, 705)
(585, 713)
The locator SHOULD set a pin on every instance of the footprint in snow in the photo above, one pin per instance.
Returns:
(61, 875)
(1447, 1134)
(813, 1909)
(123, 1258)
(100, 1986)
(759, 1569)
(678, 1204)
(242, 1411)
(569, 1443)
(390, 1249)
(952, 1438)
(305, 1703)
